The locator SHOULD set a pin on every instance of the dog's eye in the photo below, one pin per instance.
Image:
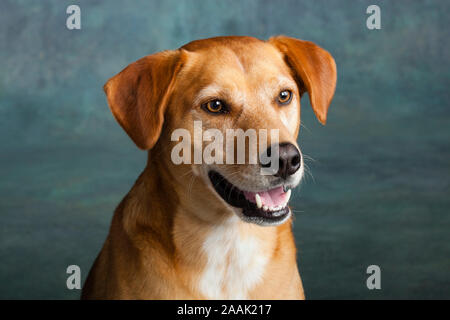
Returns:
(284, 97)
(215, 106)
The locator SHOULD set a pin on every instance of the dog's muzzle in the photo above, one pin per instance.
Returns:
(267, 207)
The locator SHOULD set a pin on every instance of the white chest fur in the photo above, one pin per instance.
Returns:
(235, 263)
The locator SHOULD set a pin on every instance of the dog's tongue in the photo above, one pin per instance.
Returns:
(271, 198)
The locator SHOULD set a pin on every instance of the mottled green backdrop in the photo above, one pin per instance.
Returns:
(380, 192)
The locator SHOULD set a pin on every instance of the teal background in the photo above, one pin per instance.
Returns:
(380, 192)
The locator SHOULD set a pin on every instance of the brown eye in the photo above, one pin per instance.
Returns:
(215, 106)
(284, 97)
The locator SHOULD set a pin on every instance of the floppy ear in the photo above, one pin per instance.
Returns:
(139, 94)
(314, 70)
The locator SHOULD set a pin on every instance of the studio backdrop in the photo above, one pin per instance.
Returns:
(377, 191)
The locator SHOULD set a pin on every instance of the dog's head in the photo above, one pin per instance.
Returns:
(229, 108)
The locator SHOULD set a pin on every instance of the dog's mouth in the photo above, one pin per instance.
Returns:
(269, 206)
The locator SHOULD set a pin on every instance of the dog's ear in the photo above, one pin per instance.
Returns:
(314, 70)
(139, 94)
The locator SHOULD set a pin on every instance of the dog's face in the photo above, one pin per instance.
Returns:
(211, 89)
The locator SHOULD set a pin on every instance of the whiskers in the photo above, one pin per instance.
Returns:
(307, 170)
(232, 187)
(296, 210)
(306, 128)
(191, 183)
(189, 174)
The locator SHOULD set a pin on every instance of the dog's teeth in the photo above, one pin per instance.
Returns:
(288, 195)
(258, 201)
(265, 208)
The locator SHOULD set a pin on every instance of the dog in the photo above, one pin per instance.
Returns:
(211, 231)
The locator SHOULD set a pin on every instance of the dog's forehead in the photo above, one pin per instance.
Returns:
(234, 60)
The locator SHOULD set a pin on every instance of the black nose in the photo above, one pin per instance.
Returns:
(289, 160)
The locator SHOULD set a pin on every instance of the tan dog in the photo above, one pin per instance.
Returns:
(210, 231)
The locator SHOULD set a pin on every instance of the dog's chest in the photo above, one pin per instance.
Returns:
(234, 264)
